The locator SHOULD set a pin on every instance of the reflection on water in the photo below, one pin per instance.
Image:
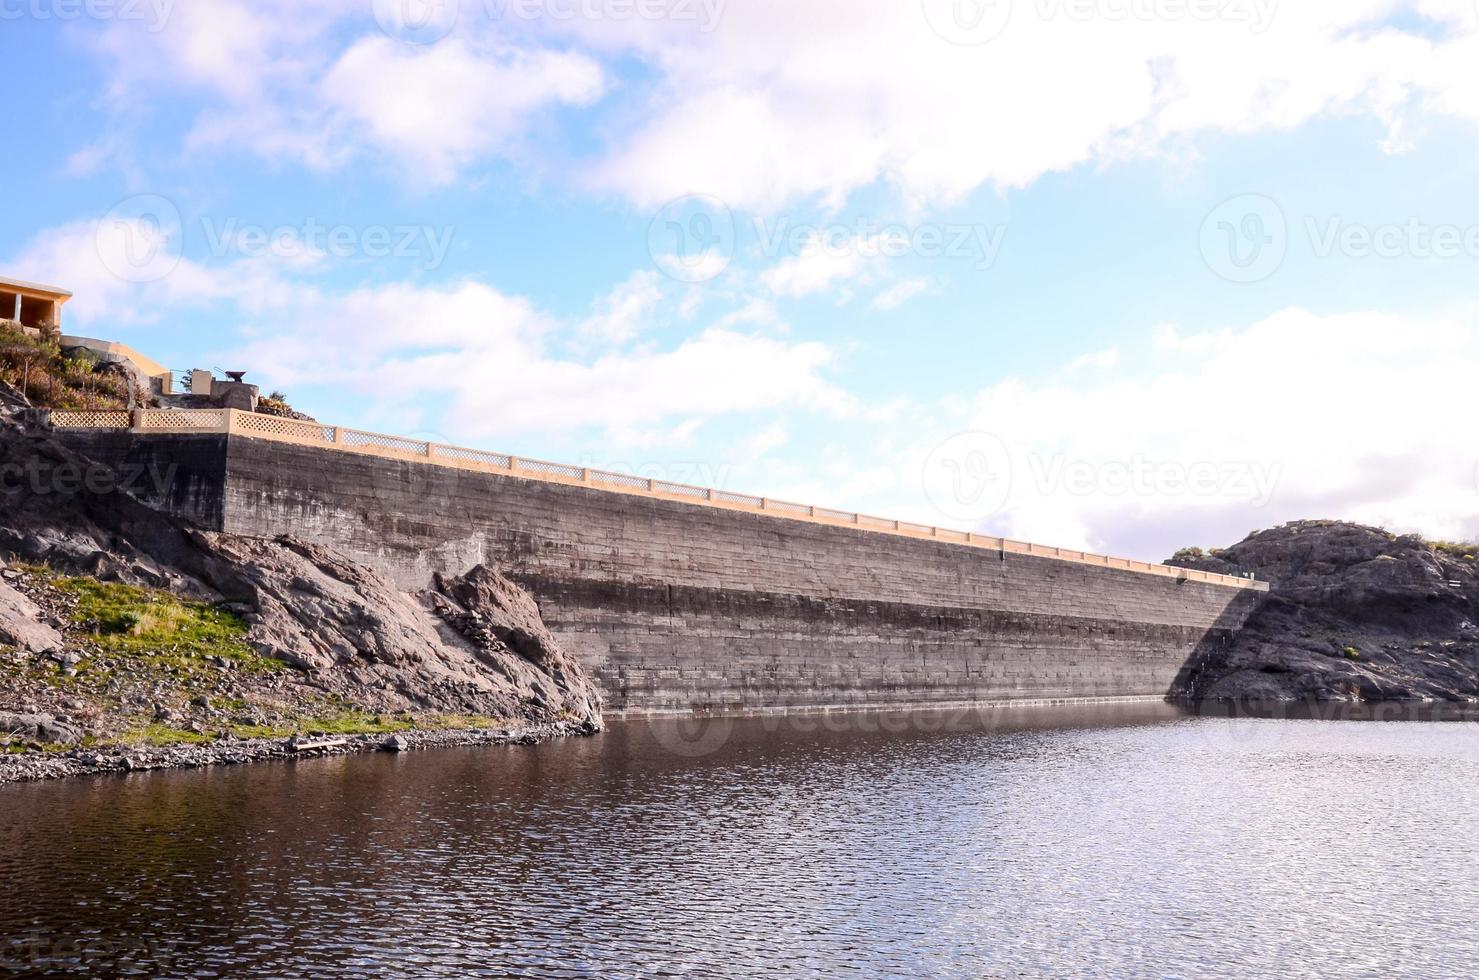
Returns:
(1114, 839)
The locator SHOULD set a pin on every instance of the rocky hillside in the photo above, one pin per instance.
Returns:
(121, 627)
(1353, 614)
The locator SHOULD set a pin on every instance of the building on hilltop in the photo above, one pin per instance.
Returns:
(32, 306)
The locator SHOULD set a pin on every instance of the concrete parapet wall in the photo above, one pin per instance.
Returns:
(677, 607)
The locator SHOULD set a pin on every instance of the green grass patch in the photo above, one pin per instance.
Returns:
(161, 628)
(161, 736)
(335, 723)
(352, 722)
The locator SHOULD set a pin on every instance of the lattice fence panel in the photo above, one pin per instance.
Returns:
(90, 420)
(166, 421)
(473, 456)
(737, 498)
(681, 490)
(355, 438)
(625, 480)
(551, 469)
(291, 428)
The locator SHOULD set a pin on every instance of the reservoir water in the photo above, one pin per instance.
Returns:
(1112, 840)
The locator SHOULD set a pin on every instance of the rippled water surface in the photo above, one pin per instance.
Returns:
(1116, 841)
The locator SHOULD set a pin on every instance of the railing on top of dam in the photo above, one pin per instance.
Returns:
(335, 437)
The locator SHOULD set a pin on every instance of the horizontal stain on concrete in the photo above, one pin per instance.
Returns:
(680, 608)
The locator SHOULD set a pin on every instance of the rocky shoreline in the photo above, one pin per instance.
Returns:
(120, 760)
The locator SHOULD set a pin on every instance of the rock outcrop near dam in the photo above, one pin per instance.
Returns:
(128, 623)
(677, 607)
(1354, 613)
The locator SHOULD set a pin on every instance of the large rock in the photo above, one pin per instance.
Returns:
(1353, 613)
(21, 625)
(40, 728)
(360, 636)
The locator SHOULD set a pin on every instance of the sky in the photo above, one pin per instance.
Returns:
(1122, 275)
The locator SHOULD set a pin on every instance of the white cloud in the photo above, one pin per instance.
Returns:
(1296, 416)
(127, 271)
(775, 105)
(506, 367)
(437, 109)
(900, 293)
(496, 359)
(776, 101)
(305, 82)
(1097, 361)
(620, 315)
(816, 270)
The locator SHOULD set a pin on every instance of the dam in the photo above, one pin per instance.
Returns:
(684, 599)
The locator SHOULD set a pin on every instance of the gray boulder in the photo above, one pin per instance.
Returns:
(40, 728)
(21, 625)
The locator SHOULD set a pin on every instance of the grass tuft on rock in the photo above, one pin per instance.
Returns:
(161, 628)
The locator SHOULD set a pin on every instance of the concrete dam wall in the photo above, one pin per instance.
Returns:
(678, 606)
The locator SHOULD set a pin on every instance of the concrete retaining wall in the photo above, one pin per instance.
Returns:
(677, 607)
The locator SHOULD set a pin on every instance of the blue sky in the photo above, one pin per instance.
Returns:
(1115, 274)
